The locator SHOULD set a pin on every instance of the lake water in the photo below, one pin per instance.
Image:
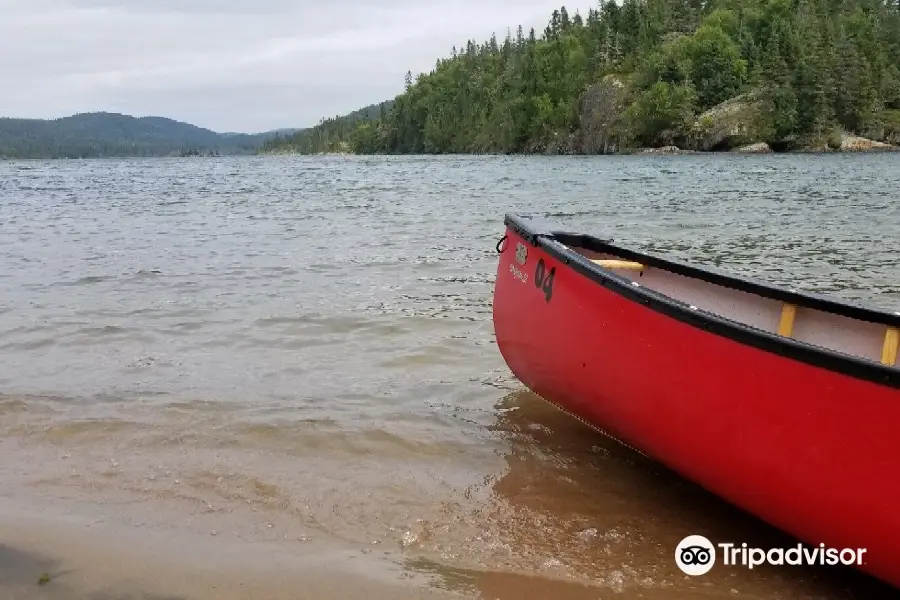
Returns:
(296, 354)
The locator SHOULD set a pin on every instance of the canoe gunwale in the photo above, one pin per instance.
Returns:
(557, 241)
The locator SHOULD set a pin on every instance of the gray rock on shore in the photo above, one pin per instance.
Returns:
(854, 143)
(758, 148)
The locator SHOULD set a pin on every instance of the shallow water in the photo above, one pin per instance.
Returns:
(299, 351)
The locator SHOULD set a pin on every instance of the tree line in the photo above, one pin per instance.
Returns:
(97, 135)
(700, 74)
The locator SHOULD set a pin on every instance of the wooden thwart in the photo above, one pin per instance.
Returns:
(891, 343)
(788, 314)
(620, 264)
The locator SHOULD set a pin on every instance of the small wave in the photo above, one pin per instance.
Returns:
(11, 405)
(99, 335)
(88, 280)
(312, 325)
(85, 428)
(32, 344)
(320, 437)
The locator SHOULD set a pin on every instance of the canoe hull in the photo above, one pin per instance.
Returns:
(807, 449)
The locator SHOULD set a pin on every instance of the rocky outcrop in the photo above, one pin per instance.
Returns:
(734, 123)
(853, 143)
(741, 125)
(602, 112)
(662, 150)
(758, 148)
(557, 143)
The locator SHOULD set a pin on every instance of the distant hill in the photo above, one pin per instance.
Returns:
(267, 134)
(330, 135)
(101, 134)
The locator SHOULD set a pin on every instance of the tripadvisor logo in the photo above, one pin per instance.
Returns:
(696, 555)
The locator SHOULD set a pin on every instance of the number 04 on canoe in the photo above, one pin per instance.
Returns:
(783, 403)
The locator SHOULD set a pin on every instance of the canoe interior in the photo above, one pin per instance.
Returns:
(853, 337)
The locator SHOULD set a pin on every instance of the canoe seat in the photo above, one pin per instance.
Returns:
(620, 264)
(786, 325)
(891, 346)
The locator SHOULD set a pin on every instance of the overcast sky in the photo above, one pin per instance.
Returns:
(234, 65)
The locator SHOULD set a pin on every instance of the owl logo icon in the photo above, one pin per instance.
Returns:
(695, 555)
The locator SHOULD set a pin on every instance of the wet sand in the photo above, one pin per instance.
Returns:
(69, 559)
(565, 513)
(215, 383)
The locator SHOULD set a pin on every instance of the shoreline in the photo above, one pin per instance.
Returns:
(63, 556)
(850, 145)
(636, 152)
(751, 149)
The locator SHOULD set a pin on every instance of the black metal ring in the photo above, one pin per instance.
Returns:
(503, 239)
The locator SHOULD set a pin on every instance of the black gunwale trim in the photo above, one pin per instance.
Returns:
(555, 241)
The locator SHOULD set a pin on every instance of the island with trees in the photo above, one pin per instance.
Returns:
(669, 75)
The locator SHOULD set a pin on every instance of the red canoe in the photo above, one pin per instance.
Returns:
(785, 404)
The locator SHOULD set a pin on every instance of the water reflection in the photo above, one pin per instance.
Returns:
(603, 519)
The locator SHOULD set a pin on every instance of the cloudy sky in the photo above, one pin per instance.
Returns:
(234, 65)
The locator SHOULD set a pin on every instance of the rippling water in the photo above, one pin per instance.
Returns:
(301, 348)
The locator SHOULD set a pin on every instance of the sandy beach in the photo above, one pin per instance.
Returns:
(69, 559)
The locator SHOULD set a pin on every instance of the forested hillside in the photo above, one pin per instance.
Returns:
(332, 134)
(704, 75)
(91, 135)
